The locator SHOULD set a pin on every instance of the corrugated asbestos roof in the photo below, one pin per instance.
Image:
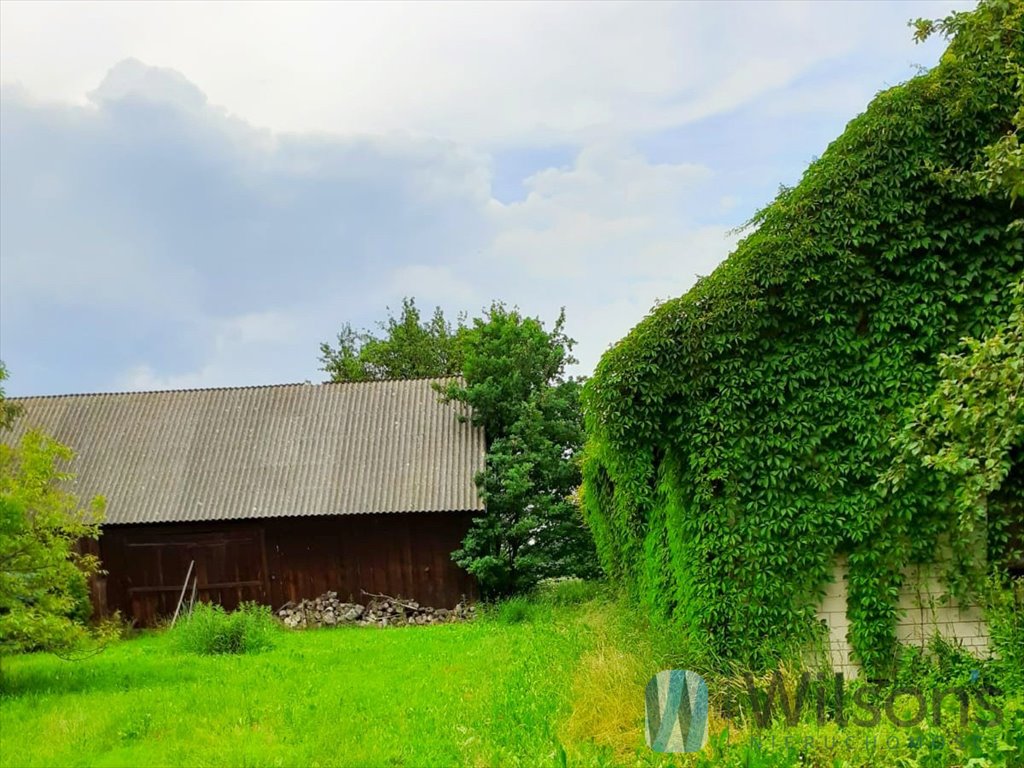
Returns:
(278, 451)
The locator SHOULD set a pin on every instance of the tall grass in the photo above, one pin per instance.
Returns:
(605, 724)
(211, 630)
(561, 593)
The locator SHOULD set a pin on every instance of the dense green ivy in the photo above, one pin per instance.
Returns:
(737, 436)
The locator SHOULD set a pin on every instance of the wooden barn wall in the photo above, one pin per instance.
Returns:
(274, 561)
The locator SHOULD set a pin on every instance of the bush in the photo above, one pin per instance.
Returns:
(1004, 613)
(211, 630)
(44, 592)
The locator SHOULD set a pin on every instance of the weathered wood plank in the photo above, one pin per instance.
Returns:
(277, 560)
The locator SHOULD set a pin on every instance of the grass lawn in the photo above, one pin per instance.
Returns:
(482, 693)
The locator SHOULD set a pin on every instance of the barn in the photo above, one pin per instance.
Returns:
(275, 493)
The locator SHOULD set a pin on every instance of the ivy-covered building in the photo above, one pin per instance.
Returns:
(772, 448)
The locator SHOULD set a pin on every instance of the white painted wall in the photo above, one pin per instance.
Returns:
(924, 614)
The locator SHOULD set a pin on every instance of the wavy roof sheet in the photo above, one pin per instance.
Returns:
(257, 452)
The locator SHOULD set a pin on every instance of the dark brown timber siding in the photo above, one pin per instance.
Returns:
(276, 560)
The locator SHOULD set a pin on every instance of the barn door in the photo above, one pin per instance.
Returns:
(229, 568)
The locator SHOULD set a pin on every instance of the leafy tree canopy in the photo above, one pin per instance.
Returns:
(407, 347)
(507, 359)
(511, 373)
(515, 382)
(44, 599)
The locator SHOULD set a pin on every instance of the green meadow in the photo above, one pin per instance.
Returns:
(552, 681)
(484, 693)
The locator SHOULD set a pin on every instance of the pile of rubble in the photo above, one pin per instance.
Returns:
(379, 611)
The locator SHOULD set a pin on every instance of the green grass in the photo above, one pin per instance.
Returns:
(483, 693)
(556, 680)
(210, 630)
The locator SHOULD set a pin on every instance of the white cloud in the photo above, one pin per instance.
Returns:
(502, 72)
(142, 378)
(253, 348)
(131, 78)
(434, 285)
(166, 240)
(291, 167)
(606, 238)
(612, 212)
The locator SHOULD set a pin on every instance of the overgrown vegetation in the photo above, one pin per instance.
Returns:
(512, 371)
(44, 594)
(963, 447)
(1003, 600)
(626, 650)
(210, 630)
(553, 679)
(738, 436)
(514, 380)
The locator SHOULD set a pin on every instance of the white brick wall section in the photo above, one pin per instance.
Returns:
(924, 613)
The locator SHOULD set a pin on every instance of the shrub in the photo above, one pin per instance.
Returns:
(44, 593)
(1004, 613)
(211, 630)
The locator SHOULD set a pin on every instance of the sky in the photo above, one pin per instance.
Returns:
(197, 195)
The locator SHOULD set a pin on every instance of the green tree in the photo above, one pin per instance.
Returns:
(512, 375)
(407, 347)
(507, 359)
(515, 383)
(43, 575)
(8, 411)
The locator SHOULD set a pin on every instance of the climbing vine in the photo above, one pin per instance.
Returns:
(738, 436)
(964, 441)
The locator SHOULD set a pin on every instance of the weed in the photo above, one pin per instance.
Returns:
(211, 630)
(515, 610)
